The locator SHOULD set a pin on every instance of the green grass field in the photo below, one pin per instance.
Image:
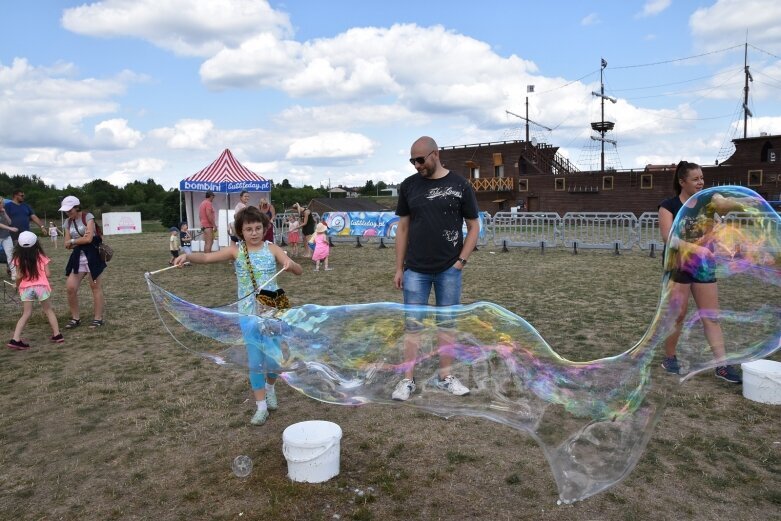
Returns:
(121, 423)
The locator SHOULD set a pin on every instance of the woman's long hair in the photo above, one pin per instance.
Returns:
(26, 260)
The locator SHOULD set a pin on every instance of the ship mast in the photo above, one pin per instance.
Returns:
(746, 111)
(529, 88)
(603, 126)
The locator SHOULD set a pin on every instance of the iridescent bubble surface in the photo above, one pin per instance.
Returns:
(592, 418)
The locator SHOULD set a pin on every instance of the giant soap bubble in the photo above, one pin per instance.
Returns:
(592, 418)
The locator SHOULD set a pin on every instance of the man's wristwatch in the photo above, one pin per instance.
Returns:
(462, 261)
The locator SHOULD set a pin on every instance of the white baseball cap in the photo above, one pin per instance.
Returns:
(27, 239)
(69, 202)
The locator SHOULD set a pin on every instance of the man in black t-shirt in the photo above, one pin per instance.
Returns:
(431, 252)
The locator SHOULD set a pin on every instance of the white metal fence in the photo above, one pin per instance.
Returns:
(586, 230)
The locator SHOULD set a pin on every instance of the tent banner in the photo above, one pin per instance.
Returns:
(361, 224)
(225, 187)
(376, 224)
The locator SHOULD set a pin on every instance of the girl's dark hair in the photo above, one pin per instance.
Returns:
(681, 171)
(249, 215)
(27, 260)
(242, 193)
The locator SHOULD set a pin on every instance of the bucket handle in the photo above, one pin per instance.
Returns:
(326, 448)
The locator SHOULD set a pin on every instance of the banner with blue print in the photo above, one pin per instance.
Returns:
(374, 224)
(225, 187)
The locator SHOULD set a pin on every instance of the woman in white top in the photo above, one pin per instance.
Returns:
(242, 204)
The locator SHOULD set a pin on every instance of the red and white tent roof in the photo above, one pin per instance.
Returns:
(225, 168)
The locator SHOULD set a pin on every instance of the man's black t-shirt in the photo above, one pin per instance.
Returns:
(437, 209)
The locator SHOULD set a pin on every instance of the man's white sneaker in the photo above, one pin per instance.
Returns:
(452, 385)
(403, 389)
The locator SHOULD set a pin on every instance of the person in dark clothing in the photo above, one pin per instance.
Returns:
(431, 252)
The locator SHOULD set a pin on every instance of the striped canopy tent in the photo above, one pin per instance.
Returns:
(227, 178)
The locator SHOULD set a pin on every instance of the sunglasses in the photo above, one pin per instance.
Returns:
(420, 160)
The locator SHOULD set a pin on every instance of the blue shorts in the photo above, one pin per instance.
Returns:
(417, 288)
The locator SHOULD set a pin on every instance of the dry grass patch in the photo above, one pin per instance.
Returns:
(120, 423)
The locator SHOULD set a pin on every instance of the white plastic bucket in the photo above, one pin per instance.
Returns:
(762, 381)
(311, 449)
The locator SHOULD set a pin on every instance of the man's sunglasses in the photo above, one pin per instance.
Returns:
(420, 160)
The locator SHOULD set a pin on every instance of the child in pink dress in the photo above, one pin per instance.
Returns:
(32, 281)
(322, 248)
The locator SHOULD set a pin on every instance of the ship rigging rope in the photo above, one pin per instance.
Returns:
(675, 82)
(677, 59)
(764, 51)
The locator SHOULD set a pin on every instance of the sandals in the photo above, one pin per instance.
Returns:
(95, 324)
(73, 323)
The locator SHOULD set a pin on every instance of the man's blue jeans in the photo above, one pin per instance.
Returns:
(417, 288)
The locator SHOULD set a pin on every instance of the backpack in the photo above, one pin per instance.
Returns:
(105, 251)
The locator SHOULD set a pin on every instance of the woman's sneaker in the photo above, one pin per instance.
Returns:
(729, 373)
(18, 345)
(670, 364)
(403, 389)
(58, 338)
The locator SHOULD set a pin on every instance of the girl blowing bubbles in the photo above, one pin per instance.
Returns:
(256, 263)
(32, 281)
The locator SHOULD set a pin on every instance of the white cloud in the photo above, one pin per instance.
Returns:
(726, 22)
(54, 158)
(371, 63)
(46, 106)
(339, 116)
(116, 133)
(136, 169)
(590, 19)
(654, 7)
(339, 146)
(181, 26)
(187, 133)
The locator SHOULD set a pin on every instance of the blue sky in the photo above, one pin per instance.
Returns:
(335, 92)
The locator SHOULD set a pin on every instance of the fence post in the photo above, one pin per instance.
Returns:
(382, 244)
(358, 242)
(330, 242)
(653, 253)
(617, 252)
(283, 243)
(542, 247)
(504, 247)
(575, 247)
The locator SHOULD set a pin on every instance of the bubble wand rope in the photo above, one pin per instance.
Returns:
(150, 273)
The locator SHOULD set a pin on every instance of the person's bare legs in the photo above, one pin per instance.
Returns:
(208, 239)
(411, 348)
(98, 301)
(72, 290)
(27, 311)
(678, 304)
(706, 296)
(51, 317)
(445, 339)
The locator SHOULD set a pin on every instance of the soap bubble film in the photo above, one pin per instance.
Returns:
(592, 419)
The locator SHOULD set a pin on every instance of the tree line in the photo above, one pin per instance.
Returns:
(149, 198)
